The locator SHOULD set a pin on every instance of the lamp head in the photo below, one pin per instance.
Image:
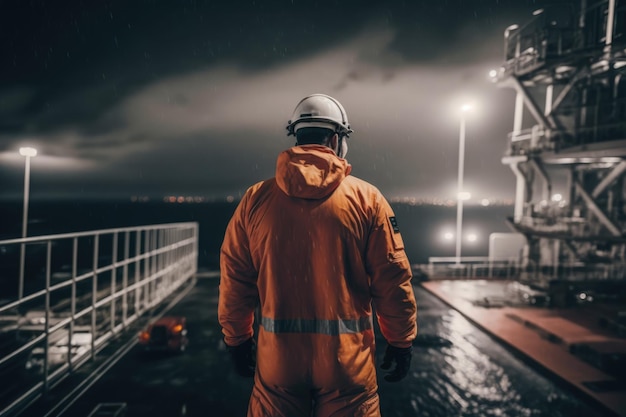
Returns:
(27, 151)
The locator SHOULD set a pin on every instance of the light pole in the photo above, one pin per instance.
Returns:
(27, 153)
(461, 195)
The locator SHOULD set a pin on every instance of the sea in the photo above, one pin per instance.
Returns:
(422, 226)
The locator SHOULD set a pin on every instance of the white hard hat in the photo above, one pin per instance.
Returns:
(319, 110)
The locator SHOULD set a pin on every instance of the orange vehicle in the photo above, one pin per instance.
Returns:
(169, 333)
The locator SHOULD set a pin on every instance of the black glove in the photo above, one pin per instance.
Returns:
(243, 357)
(402, 357)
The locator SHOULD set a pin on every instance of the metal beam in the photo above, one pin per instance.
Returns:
(613, 229)
(522, 185)
(514, 159)
(615, 173)
(538, 167)
(570, 246)
(544, 121)
(575, 78)
(610, 24)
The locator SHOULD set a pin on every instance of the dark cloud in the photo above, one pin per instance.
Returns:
(158, 96)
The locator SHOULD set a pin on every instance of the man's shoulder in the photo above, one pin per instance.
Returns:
(362, 187)
(254, 188)
(356, 182)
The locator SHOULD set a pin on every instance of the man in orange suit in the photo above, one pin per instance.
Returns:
(318, 250)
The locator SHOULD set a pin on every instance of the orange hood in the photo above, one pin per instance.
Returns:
(310, 171)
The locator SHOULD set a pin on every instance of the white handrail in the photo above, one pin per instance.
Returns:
(124, 272)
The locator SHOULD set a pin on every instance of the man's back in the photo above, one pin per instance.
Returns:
(316, 247)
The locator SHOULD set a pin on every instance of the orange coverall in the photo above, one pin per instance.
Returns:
(316, 248)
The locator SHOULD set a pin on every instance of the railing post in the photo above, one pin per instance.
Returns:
(159, 262)
(146, 269)
(196, 251)
(94, 294)
(47, 318)
(113, 280)
(168, 257)
(138, 289)
(125, 279)
(73, 300)
(153, 267)
(20, 292)
(180, 251)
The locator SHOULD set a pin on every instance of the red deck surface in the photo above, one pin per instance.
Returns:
(547, 336)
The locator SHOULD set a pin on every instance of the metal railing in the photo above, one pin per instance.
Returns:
(64, 297)
(484, 267)
(445, 267)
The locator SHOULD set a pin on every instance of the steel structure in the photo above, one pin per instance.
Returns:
(567, 66)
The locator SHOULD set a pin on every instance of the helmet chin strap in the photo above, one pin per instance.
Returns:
(343, 148)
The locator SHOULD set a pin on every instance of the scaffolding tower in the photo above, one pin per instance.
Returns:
(567, 149)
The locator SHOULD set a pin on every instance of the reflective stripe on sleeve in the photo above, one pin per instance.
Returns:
(328, 327)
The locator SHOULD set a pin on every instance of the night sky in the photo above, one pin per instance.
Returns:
(180, 97)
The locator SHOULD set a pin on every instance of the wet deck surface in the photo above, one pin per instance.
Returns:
(569, 343)
(457, 370)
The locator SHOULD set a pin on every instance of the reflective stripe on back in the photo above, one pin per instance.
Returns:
(328, 327)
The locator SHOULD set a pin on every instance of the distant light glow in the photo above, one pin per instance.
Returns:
(448, 236)
(465, 106)
(493, 73)
(463, 195)
(485, 202)
(557, 197)
(472, 237)
(28, 151)
(180, 199)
